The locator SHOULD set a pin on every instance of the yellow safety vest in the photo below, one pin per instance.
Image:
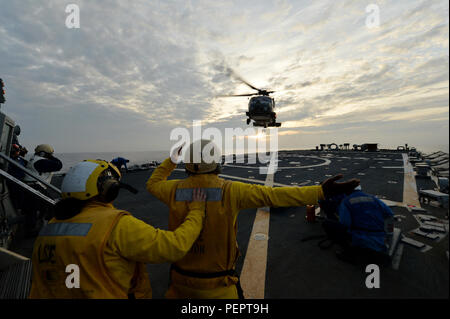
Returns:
(79, 241)
(215, 251)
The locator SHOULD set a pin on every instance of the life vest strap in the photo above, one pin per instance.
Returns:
(188, 273)
(231, 272)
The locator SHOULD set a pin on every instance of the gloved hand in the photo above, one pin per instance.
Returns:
(331, 188)
(175, 154)
(198, 199)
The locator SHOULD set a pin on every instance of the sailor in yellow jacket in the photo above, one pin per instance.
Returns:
(208, 270)
(93, 250)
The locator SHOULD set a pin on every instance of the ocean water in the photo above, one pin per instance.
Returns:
(70, 159)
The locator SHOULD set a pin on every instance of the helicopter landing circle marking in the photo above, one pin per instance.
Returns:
(326, 162)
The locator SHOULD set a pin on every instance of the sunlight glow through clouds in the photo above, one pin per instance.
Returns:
(162, 64)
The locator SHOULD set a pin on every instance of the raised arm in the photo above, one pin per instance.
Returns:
(158, 185)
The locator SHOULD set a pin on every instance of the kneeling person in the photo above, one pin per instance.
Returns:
(109, 246)
(361, 229)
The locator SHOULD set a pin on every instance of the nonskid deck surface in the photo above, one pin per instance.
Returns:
(300, 269)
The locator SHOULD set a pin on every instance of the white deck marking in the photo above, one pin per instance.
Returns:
(391, 202)
(397, 257)
(410, 196)
(253, 274)
(325, 162)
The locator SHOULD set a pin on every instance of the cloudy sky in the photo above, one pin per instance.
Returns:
(135, 70)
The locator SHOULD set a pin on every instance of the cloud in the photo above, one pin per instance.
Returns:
(136, 70)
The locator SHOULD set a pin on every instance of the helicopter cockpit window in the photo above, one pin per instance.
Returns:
(261, 104)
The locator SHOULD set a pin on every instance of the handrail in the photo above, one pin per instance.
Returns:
(28, 172)
(26, 187)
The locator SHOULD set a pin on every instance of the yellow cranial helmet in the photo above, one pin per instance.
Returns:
(202, 157)
(85, 180)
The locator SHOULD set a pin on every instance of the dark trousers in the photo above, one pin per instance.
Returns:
(34, 209)
(337, 232)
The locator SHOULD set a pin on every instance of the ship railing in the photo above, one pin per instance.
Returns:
(434, 155)
(15, 270)
(27, 187)
(29, 173)
(15, 275)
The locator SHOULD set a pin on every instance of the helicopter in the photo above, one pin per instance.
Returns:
(260, 106)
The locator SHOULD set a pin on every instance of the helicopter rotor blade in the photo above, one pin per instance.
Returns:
(232, 73)
(249, 94)
(237, 76)
(248, 84)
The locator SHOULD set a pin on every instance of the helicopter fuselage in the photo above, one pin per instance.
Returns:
(260, 110)
(260, 107)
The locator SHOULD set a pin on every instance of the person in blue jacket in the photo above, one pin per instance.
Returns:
(361, 226)
(119, 161)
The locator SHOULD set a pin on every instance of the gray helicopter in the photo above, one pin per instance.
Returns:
(260, 107)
